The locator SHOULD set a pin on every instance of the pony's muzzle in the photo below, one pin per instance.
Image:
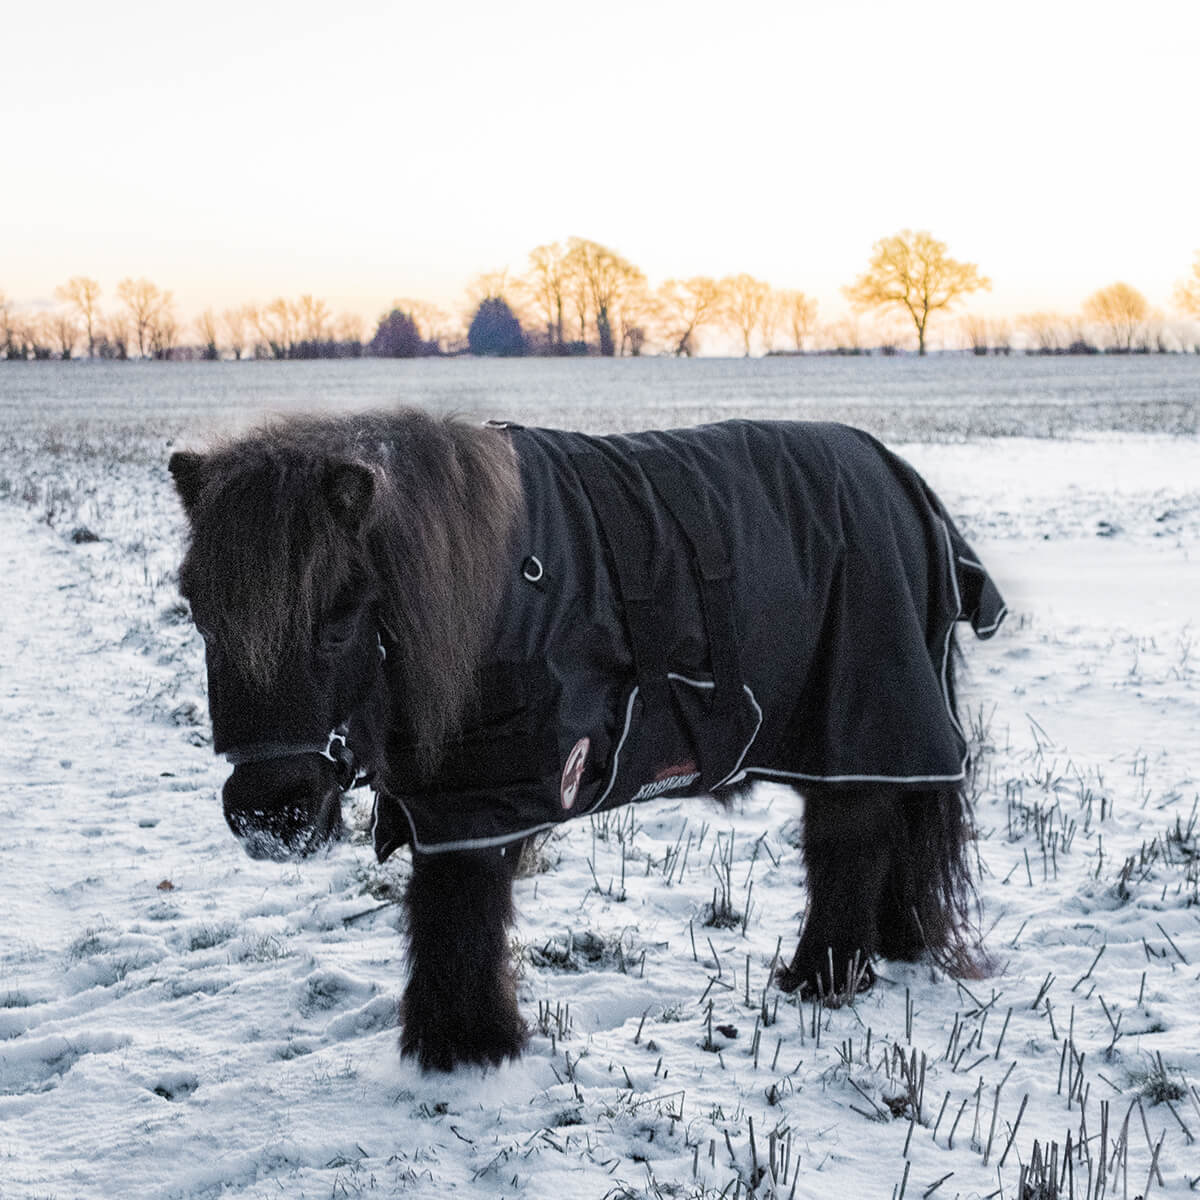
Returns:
(284, 808)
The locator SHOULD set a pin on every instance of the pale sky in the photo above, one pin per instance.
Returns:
(366, 150)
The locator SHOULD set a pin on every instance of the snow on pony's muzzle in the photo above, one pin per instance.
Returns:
(284, 808)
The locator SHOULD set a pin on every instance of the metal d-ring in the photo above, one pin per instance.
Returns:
(532, 569)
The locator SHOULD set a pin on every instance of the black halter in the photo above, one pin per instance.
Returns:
(335, 748)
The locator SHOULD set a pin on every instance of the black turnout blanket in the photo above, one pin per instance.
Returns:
(687, 609)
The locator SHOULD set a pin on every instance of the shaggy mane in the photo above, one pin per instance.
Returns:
(269, 555)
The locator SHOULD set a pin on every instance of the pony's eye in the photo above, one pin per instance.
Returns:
(342, 613)
(340, 621)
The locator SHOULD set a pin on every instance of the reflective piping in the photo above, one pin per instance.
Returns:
(770, 773)
(490, 843)
(985, 630)
(697, 683)
(757, 708)
(958, 612)
(616, 762)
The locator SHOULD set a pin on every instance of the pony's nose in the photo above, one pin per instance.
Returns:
(283, 808)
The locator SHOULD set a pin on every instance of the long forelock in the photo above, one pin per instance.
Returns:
(267, 554)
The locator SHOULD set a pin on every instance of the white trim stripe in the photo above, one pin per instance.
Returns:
(491, 843)
(617, 752)
(987, 630)
(771, 773)
(696, 683)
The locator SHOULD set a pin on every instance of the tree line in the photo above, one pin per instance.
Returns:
(579, 297)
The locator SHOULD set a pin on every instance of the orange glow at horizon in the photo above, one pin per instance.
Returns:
(369, 151)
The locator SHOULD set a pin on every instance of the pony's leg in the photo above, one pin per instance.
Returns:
(460, 1005)
(848, 854)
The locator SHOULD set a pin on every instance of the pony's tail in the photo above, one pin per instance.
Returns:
(933, 879)
(934, 851)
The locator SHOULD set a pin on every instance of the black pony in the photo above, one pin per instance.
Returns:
(511, 627)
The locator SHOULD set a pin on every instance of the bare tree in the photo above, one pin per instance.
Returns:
(769, 321)
(83, 294)
(38, 336)
(1187, 292)
(313, 318)
(238, 324)
(114, 336)
(844, 336)
(912, 272)
(798, 314)
(206, 327)
(1154, 338)
(12, 330)
(349, 328)
(607, 279)
(1120, 311)
(1047, 331)
(746, 298)
(22, 334)
(276, 322)
(579, 297)
(164, 327)
(64, 331)
(636, 315)
(685, 306)
(546, 284)
(488, 285)
(142, 300)
(976, 333)
(1076, 333)
(985, 335)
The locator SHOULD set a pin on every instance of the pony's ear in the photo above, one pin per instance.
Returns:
(187, 469)
(350, 488)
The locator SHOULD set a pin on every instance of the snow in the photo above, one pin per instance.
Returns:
(177, 1020)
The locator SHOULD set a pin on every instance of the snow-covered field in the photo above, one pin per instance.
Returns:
(179, 1021)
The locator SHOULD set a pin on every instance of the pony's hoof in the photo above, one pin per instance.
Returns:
(811, 981)
(481, 1047)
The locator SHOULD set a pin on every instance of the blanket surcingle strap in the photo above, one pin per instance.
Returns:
(749, 599)
(718, 734)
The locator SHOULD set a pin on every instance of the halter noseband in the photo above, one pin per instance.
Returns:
(335, 748)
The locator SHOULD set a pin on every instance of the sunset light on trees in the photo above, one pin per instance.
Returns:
(912, 272)
(578, 296)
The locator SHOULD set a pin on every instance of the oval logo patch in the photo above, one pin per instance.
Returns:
(573, 772)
